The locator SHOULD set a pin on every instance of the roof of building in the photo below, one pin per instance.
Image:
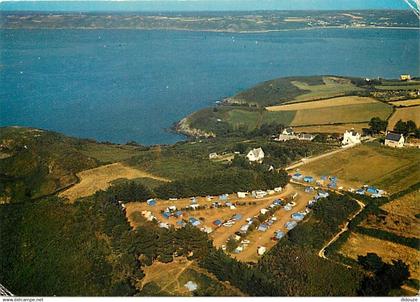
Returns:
(392, 136)
(256, 152)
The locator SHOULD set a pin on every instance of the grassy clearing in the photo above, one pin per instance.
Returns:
(109, 153)
(390, 169)
(332, 86)
(100, 179)
(406, 103)
(342, 114)
(405, 114)
(339, 101)
(331, 128)
(359, 244)
(172, 277)
(407, 205)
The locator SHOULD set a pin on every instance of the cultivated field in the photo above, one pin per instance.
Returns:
(332, 87)
(405, 114)
(341, 114)
(100, 179)
(359, 244)
(405, 103)
(341, 128)
(389, 169)
(221, 234)
(338, 101)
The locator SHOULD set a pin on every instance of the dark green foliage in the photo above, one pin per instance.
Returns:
(232, 180)
(384, 235)
(294, 262)
(377, 125)
(405, 128)
(66, 250)
(40, 163)
(386, 276)
(129, 191)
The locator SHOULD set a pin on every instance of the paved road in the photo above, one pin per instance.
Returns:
(4, 292)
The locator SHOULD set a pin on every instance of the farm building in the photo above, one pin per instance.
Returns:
(217, 222)
(308, 179)
(297, 176)
(405, 77)
(286, 134)
(350, 138)
(194, 221)
(255, 155)
(305, 137)
(394, 140)
(290, 225)
(151, 202)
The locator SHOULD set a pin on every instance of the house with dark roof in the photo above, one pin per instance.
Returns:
(394, 140)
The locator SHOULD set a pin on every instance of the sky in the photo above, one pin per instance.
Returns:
(191, 5)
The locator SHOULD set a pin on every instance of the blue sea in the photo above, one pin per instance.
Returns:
(123, 85)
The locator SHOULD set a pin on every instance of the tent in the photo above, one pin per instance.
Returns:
(151, 202)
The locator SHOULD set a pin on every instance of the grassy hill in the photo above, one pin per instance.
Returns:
(303, 101)
(35, 163)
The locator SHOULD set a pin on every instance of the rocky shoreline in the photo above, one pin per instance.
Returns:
(184, 127)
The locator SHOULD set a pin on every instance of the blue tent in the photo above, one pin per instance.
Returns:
(309, 189)
(217, 222)
(298, 216)
(166, 215)
(279, 235)
(263, 227)
(297, 176)
(323, 177)
(333, 178)
(237, 217)
(151, 202)
(277, 202)
(178, 213)
(372, 190)
(332, 185)
(194, 221)
(308, 179)
(290, 225)
(360, 192)
(223, 197)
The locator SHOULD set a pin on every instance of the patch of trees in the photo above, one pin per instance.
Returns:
(377, 125)
(385, 278)
(406, 128)
(54, 248)
(231, 180)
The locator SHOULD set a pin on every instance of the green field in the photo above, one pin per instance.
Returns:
(354, 113)
(390, 169)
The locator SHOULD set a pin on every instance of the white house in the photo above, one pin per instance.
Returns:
(255, 155)
(350, 138)
(395, 140)
(286, 134)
